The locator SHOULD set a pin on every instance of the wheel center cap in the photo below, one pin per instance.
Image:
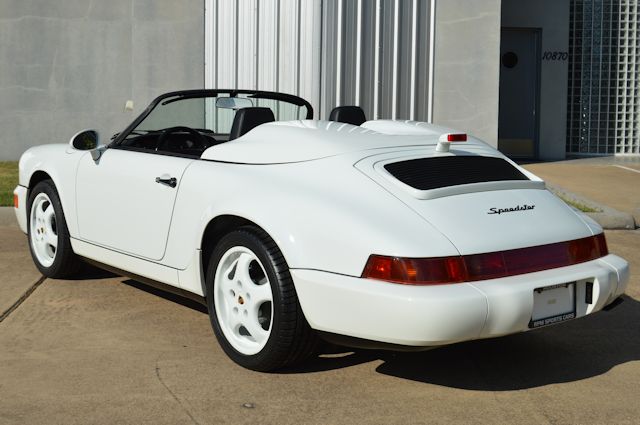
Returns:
(240, 300)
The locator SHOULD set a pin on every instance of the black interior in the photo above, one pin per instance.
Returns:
(247, 119)
(186, 141)
(192, 142)
(178, 140)
(348, 114)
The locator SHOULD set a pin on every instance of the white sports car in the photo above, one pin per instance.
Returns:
(389, 234)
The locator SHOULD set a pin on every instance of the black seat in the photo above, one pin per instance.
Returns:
(348, 114)
(247, 119)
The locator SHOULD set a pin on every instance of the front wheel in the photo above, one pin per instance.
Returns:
(253, 306)
(48, 234)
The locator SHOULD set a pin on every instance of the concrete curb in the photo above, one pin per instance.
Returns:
(8, 217)
(607, 217)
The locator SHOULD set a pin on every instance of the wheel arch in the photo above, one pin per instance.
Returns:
(39, 175)
(52, 162)
(216, 229)
(36, 177)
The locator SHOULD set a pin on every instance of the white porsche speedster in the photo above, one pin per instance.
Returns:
(390, 234)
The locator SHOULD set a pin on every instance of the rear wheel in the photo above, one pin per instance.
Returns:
(48, 234)
(253, 306)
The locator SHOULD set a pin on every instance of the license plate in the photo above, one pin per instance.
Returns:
(553, 304)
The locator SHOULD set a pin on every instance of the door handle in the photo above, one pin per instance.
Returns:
(171, 182)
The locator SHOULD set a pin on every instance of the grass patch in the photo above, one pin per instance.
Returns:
(8, 182)
(578, 205)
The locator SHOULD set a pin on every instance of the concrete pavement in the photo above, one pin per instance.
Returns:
(7, 217)
(612, 181)
(17, 272)
(107, 350)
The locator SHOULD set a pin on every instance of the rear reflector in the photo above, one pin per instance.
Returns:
(15, 200)
(456, 137)
(492, 265)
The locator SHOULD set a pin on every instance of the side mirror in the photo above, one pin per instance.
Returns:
(87, 140)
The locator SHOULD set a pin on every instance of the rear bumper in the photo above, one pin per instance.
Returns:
(21, 211)
(444, 314)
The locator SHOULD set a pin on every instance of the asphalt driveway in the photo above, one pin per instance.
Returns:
(108, 350)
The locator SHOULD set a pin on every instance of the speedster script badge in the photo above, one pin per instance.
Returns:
(523, 207)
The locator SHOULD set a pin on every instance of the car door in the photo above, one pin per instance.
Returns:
(125, 200)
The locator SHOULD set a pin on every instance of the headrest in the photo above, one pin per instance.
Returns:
(348, 114)
(247, 119)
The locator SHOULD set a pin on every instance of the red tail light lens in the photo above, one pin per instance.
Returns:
(485, 266)
(493, 265)
(415, 271)
(601, 243)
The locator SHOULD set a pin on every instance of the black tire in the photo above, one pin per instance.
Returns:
(291, 339)
(66, 263)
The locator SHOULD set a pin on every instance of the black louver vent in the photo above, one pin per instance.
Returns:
(433, 173)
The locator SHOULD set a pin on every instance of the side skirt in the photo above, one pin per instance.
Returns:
(150, 282)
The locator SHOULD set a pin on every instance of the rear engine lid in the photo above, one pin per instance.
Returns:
(425, 174)
(481, 203)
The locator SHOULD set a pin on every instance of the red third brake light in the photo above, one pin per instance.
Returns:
(456, 137)
(492, 265)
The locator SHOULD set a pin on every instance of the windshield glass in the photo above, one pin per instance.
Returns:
(189, 122)
(213, 114)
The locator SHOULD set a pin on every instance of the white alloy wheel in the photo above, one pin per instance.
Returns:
(243, 300)
(43, 230)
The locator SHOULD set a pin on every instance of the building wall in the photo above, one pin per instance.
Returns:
(269, 45)
(72, 64)
(376, 54)
(552, 16)
(66, 65)
(604, 76)
(372, 53)
(467, 52)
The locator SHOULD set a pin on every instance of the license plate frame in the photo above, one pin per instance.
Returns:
(546, 294)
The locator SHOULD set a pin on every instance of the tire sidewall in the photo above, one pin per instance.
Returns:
(250, 241)
(64, 244)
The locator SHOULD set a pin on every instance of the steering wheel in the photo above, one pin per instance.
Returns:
(163, 140)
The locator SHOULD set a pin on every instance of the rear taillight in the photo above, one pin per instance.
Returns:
(416, 271)
(492, 265)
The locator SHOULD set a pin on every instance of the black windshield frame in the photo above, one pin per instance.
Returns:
(193, 94)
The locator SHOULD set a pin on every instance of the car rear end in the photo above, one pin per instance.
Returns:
(525, 258)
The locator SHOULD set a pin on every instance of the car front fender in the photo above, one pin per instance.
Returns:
(59, 163)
